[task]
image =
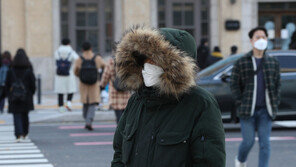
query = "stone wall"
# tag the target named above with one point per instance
(28, 24)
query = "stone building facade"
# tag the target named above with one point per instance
(39, 25)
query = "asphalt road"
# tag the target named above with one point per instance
(69, 145)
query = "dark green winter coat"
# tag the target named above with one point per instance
(175, 123)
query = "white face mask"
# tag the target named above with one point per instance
(151, 74)
(260, 44)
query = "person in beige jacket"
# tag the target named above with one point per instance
(89, 93)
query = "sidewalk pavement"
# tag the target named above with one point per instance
(47, 111)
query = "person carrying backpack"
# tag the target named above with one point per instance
(86, 68)
(5, 65)
(65, 82)
(118, 97)
(20, 88)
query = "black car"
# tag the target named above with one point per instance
(215, 79)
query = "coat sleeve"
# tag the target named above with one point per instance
(278, 82)
(77, 67)
(117, 142)
(106, 75)
(235, 83)
(8, 83)
(32, 85)
(207, 143)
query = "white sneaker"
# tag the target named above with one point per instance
(69, 105)
(62, 109)
(239, 164)
(18, 140)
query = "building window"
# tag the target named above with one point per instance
(88, 20)
(188, 15)
(64, 19)
(204, 18)
(161, 13)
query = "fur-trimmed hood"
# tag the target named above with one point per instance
(173, 50)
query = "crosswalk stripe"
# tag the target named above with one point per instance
(6, 133)
(13, 141)
(6, 129)
(16, 144)
(7, 138)
(30, 165)
(23, 161)
(19, 151)
(19, 148)
(21, 156)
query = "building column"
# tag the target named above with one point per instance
(214, 23)
(153, 14)
(118, 20)
(13, 30)
(249, 20)
(228, 38)
(136, 13)
(56, 24)
(39, 39)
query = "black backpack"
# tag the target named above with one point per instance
(18, 91)
(88, 72)
(64, 65)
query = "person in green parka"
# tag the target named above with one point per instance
(169, 121)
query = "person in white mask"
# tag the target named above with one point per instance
(255, 85)
(151, 73)
(169, 121)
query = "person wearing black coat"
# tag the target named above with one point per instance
(21, 70)
(202, 53)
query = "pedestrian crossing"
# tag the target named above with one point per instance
(23, 154)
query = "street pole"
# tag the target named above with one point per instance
(39, 88)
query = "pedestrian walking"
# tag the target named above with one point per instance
(118, 97)
(65, 82)
(203, 52)
(86, 68)
(4, 67)
(255, 85)
(215, 56)
(168, 121)
(20, 88)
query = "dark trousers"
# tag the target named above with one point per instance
(21, 124)
(61, 98)
(2, 104)
(118, 114)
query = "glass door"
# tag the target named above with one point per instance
(280, 21)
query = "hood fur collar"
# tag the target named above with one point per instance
(140, 43)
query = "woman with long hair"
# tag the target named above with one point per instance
(20, 86)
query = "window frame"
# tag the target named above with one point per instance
(101, 27)
(198, 21)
